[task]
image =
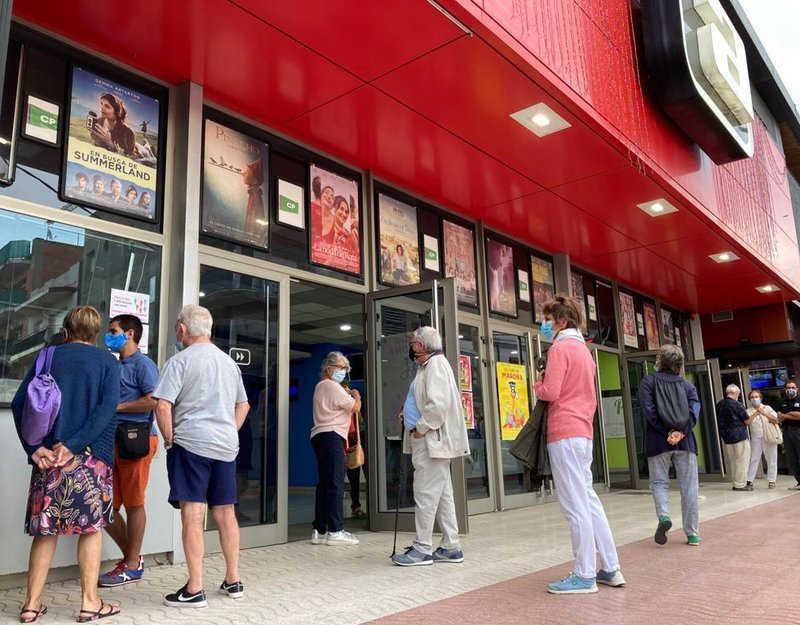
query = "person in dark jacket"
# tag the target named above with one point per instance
(732, 420)
(71, 489)
(664, 445)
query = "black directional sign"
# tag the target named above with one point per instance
(240, 356)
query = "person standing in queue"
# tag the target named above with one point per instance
(138, 378)
(434, 434)
(789, 416)
(567, 383)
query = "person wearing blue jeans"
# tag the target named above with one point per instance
(664, 445)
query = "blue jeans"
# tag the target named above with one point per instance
(686, 471)
(329, 450)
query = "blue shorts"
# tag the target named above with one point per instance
(198, 479)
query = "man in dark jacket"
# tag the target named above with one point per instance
(731, 419)
(664, 444)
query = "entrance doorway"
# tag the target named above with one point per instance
(612, 453)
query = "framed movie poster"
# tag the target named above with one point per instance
(500, 274)
(334, 222)
(667, 328)
(630, 336)
(512, 390)
(112, 161)
(578, 292)
(399, 255)
(543, 285)
(234, 186)
(459, 261)
(651, 326)
(468, 410)
(465, 373)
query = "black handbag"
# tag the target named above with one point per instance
(133, 439)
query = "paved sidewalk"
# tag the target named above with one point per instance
(299, 583)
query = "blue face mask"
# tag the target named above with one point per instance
(114, 342)
(756, 401)
(178, 346)
(547, 330)
(339, 375)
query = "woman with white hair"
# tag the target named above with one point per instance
(333, 406)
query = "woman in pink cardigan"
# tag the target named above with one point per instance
(568, 384)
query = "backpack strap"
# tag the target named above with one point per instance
(48, 360)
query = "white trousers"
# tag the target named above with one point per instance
(770, 451)
(433, 496)
(738, 459)
(571, 461)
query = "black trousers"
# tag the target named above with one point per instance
(791, 443)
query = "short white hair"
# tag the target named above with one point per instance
(198, 320)
(429, 337)
(732, 389)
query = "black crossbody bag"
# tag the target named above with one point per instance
(133, 439)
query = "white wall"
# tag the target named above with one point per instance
(14, 479)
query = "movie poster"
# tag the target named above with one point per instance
(399, 256)
(628, 320)
(459, 261)
(543, 285)
(577, 291)
(500, 275)
(651, 326)
(465, 373)
(235, 194)
(667, 328)
(334, 222)
(512, 390)
(468, 410)
(112, 155)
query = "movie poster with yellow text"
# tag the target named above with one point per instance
(512, 389)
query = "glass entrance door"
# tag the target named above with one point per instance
(612, 451)
(246, 316)
(393, 315)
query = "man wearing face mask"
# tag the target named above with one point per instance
(434, 434)
(789, 415)
(138, 379)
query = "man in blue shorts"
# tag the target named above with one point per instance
(138, 378)
(201, 405)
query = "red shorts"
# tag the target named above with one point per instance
(130, 478)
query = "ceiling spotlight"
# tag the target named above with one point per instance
(540, 119)
(723, 257)
(767, 288)
(657, 208)
(345, 327)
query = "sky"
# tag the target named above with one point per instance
(776, 23)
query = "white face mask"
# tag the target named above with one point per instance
(756, 401)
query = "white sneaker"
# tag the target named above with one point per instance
(341, 538)
(317, 538)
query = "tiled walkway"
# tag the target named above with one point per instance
(744, 572)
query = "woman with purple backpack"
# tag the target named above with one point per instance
(71, 481)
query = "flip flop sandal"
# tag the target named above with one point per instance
(37, 614)
(88, 616)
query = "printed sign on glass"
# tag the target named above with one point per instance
(500, 274)
(512, 388)
(235, 186)
(399, 254)
(543, 285)
(334, 221)
(651, 326)
(628, 320)
(291, 205)
(112, 157)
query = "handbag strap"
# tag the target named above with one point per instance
(45, 360)
(358, 429)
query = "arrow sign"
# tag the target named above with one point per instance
(240, 356)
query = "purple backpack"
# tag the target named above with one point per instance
(42, 402)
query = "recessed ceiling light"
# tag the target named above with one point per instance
(345, 327)
(767, 288)
(656, 208)
(723, 257)
(202, 294)
(540, 119)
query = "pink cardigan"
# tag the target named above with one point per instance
(568, 385)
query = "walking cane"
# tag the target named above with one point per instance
(400, 484)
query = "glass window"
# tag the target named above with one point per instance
(47, 268)
(476, 469)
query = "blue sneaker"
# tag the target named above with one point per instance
(448, 555)
(610, 578)
(572, 585)
(122, 574)
(412, 557)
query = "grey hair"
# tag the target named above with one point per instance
(331, 360)
(429, 337)
(670, 359)
(732, 389)
(198, 320)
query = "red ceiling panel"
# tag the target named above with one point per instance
(692, 255)
(411, 151)
(483, 89)
(367, 38)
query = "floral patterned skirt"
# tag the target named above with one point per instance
(73, 499)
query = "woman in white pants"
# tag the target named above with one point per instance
(760, 414)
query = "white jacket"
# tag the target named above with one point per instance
(442, 419)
